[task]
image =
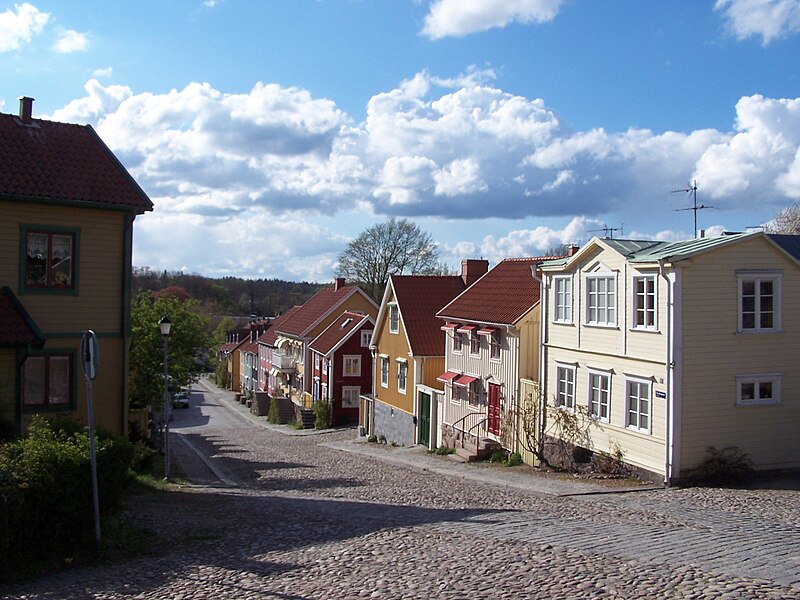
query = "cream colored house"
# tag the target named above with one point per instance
(670, 348)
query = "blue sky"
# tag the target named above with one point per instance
(270, 133)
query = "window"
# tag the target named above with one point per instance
(394, 318)
(384, 370)
(565, 393)
(759, 301)
(474, 344)
(350, 395)
(644, 302)
(494, 345)
(758, 389)
(47, 381)
(402, 371)
(639, 406)
(599, 392)
(458, 342)
(563, 299)
(601, 301)
(366, 338)
(459, 395)
(49, 258)
(352, 365)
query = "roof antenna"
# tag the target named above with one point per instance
(694, 207)
(608, 232)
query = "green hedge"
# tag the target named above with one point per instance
(46, 493)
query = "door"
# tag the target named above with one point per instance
(494, 409)
(424, 419)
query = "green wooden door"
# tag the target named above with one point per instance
(424, 419)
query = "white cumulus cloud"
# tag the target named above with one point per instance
(70, 41)
(463, 17)
(769, 19)
(19, 25)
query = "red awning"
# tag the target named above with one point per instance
(486, 331)
(465, 380)
(449, 326)
(466, 329)
(447, 376)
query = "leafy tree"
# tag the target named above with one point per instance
(785, 221)
(188, 345)
(397, 247)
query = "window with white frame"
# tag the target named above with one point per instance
(474, 344)
(352, 365)
(599, 395)
(394, 318)
(759, 301)
(366, 337)
(639, 405)
(562, 291)
(494, 345)
(384, 370)
(350, 396)
(565, 390)
(758, 389)
(601, 300)
(402, 373)
(458, 341)
(644, 302)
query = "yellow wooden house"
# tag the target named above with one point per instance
(67, 208)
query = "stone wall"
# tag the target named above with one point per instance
(395, 425)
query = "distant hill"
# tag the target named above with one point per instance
(229, 295)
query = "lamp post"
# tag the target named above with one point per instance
(165, 325)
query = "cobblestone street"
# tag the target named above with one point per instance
(277, 513)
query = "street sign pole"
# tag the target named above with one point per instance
(89, 359)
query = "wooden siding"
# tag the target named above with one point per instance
(8, 390)
(395, 345)
(714, 354)
(433, 367)
(101, 267)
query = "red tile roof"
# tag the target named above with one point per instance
(419, 297)
(270, 336)
(504, 295)
(319, 305)
(62, 162)
(341, 329)
(17, 328)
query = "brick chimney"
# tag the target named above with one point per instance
(472, 269)
(26, 109)
(572, 250)
(338, 283)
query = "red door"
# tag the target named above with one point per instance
(494, 409)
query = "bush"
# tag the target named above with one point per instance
(514, 459)
(46, 492)
(273, 416)
(444, 451)
(322, 414)
(729, 466)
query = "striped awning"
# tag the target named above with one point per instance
(465, 380)
(447, 376)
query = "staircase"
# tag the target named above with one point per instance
(481, 450)
(469, 438)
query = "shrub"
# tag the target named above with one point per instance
(46, 492)
(514, 459)
(373, 439)
(322, 414)
(497, 456)
(273, 416)
(728, 466)
(444, 451)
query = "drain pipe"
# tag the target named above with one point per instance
(668, 433)
(543, 331)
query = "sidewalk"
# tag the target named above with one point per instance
(418, 458)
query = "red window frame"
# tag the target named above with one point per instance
(48, 390)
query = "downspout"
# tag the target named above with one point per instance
(668, 435)
(543, 319)
(371, 418)
(125, 326)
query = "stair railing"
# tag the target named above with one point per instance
(463, 420)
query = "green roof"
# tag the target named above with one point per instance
(684, 249)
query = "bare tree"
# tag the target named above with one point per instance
(785, 221)
(397, 247)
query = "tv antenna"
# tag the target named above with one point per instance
(608, 232)
(694, 207)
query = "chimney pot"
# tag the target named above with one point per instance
(26, 109)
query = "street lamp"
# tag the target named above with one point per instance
(165, 325)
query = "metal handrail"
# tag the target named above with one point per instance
(464, 418)
(478, 424)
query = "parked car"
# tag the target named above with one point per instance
(180, 400)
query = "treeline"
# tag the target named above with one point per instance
(229, 295)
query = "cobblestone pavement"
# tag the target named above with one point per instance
(282, 515)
